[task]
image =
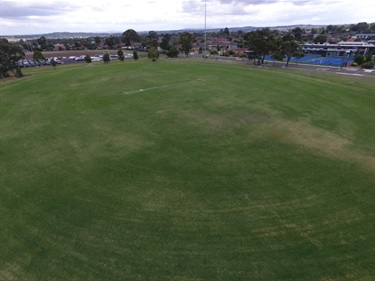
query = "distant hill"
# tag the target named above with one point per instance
(102, 34)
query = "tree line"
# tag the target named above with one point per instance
(11, 53)
(259, 43)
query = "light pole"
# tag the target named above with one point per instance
(205, 30)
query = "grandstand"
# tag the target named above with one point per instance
(339, 55)
(341, 49)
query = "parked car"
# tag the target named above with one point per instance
(94, 59)
(80, 58)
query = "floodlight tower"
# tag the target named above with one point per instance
(205, 30)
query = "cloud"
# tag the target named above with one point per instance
(248, 2)
(44, 16)
(270, 2)
(22, 10)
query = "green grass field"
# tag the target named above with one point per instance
(181, 170)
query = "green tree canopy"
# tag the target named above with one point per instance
(130, 36)
(321, 38)
(261, 42)
(297, 33)
(287, 47)
(153, 35)
(172, 52)
(42, 41)
(120, 55)
(186, 41)
(88, 59)
(291, 49)
(135, 55)
(360, 27)
(10, 54)
(165, 42)
(106, 58)
(38, 56)
(153, 53)
(147, 42)
(226, 31)
(112, 41)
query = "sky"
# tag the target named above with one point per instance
(26, 17)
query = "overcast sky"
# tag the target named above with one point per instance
(21, 17)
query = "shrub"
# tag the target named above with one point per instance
(354, 63)
(120, 55)
(135, 55)
(368, 65)
(153, 53)
(106, 58)
(88, 59)
(359, 59)
(173, 52)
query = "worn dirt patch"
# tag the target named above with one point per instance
(318, 139)
(212, 122)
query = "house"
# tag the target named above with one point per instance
(59, 47)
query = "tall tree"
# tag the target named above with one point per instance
(277, 54)
(10, 54)
(152, 39)
(287, 48)
(261, 42)
(226, 31)
(331, 28)
(360, 27)
(297, 32)
(314, 30)
(42, 41)
(148, 43)
(153, 35)
(321, 38)
(130, 36)
(165, 42)
(186, 41)
(112, 41)
(291, 49)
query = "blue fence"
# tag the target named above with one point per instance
(318, 60)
